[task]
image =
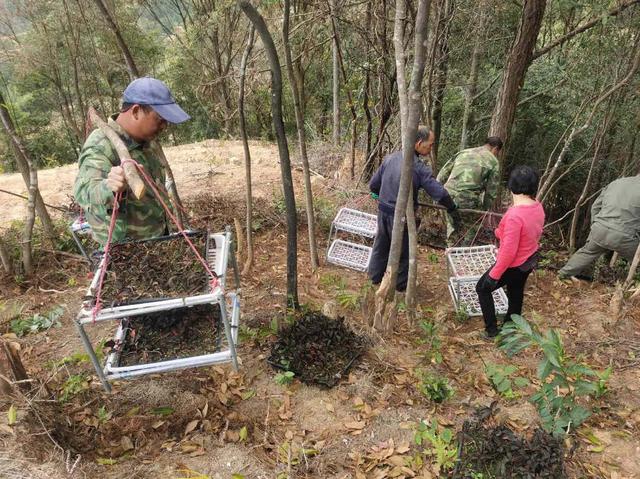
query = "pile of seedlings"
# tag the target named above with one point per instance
(175, 334)
(488, 449)
(158, 268)
(317, 349)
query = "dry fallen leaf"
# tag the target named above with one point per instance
(330, 407)
(126, 443)
(191, 426)
(355, 424)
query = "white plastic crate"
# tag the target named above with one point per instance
(470, 262)
(463, 293)
(350, 255)
(356, 222)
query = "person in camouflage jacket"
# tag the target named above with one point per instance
(471, 177)
(147, 108)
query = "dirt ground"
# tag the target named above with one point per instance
(217, 423)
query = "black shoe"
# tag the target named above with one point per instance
(492, 333)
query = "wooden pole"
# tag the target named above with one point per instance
(131, 174)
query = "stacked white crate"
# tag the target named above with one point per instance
(218, 253)
(465, 266)
(348, 253)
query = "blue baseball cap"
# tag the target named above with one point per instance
(152, 92)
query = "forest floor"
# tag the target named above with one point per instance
(216, 423)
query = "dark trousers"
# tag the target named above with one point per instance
(514, 279)
(380, 253)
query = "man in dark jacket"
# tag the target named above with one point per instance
(385, 184)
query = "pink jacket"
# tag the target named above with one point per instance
(519, 233)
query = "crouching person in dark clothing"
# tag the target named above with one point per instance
(519, 233)
(385, 184)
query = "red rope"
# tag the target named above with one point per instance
(213, 282)
(107, 248)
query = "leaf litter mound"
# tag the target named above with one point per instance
(495, 450)
(319, 350)
(163, 267)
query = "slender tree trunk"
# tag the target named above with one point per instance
(412, 282)
(5, 257)
(132, 69)
(27, 234)
(472, 81)
(302, 141)
(442, 68)
(587, 185)
(283, 148)
(247, 153)
(518, 62)
(410, 109)
(23, 162)
(352, 106)
(336, 78)
(367, 84)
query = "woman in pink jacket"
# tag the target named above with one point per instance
(519, 233)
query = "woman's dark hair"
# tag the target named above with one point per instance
(523, 181)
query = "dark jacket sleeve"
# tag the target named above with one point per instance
(434, 188)
(376, 181)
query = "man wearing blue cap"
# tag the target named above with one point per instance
(147, 108)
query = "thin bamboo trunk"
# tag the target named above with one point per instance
(335, 87)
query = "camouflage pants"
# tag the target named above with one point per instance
(466, 232)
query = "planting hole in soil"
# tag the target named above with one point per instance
(175, 334)
(152, 269)
(488, 449)
(319, 350)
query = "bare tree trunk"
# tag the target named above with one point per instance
(27, 234)
(410, 108)
(412, 281)
(23, 161)
(124, 49)
(283, 148)
(617, 301)
(336, 78)
(587, 184)
(5, 257)
(516, 67)
(302, 141)
(442, 68)
(472, 81)
(247, 153)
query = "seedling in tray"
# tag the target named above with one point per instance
(158, 268)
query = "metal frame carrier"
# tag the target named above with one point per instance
(219, 251)
(357, 225)
(465, 266)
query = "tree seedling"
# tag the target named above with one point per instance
(442, 447)
(564, 381)
(503, 380)
(434, 388)
(37, 322)
(284, 378)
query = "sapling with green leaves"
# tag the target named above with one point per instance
(435, 388)
(564, 380)
(503, 379)
(441, 442)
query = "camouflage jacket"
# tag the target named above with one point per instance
(137, 219)
(471, 177)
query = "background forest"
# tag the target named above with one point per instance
(576, 115)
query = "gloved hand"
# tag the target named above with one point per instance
(373, 195)
(487, 283)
